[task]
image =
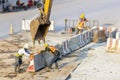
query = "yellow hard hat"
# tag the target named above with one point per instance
(82, 15)
(46, 45)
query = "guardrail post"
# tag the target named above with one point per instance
(65, 24)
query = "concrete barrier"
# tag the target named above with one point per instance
(83, 39)
(26, 25)
(40, 61)
(80, 40)
(118, 50)
(111, 32)
(118, 35)
(59, 47)
(109, 44)
(73, 43)
(36, 63)
(86, 36)
(47, 58)
(115, 45)
(65, 48)
(90, 32)
(90, 35)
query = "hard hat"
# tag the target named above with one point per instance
(82, 15)
(26, 46)
(46, 45)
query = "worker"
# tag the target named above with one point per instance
(19, 55)
(80, 23)
(56, 54)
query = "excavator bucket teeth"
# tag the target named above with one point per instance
(38, 31)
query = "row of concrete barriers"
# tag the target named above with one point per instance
(76, 42)
(113, 44)
(66, 47)
(26, 25)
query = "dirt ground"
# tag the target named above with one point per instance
(9, 46)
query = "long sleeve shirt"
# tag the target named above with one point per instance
(24, 51)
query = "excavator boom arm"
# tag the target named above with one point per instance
(40, 25)
(47, 7)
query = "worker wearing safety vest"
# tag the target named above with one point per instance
(56, 54)
(19, 55)
(80, 24)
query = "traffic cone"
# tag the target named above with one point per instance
(11, 29)
(31, 67)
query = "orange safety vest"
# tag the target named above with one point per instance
(81, 24)
(52, 48)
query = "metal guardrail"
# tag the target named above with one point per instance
(71, 23)
(92, 23)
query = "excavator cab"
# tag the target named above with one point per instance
(40, 25)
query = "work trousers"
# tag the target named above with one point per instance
(55, 59)
(79, 31)
(18, 62)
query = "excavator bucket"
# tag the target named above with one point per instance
(39, 26)
(38, 32)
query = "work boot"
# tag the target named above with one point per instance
(56, 66)
(16, 69)
(19, 70)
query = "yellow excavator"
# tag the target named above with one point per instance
(40, 25)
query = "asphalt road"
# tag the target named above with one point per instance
(106, 11)
(14, 18)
